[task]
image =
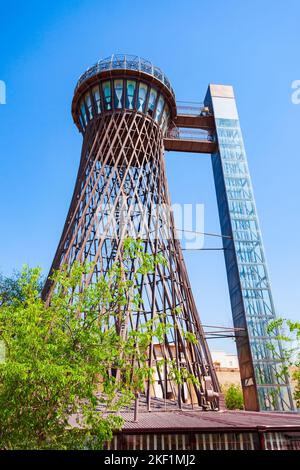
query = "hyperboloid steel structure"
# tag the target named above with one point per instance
(125, 109)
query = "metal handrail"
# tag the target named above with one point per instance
(190, 134)
(125, 62)
(192, 109)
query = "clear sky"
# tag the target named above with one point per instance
(253, 45)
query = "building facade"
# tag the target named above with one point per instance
(227, 369)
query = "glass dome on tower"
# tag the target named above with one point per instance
(123, 82)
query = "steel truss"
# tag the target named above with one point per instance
(122, 169)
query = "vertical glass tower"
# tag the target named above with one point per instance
(252, 305)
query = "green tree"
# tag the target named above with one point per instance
(234, 397)
(288, 333)
(68, 367)
(10, 287)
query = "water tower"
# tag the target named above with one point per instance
(125, 109)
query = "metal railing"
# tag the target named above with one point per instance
(190, 134)
(126, 62)
(191, 108)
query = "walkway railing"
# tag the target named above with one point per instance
(125, 62)
(190, 134)
(192, 109)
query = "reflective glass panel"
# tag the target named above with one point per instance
(96, 95)
(159, 108)
(88, 103)
(142, 96)
(81, 121)
(107, 94)
(131, 84)
(118, 96)
(152, 101)
(83, 111)
(165, 119)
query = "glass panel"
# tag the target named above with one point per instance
(246, 269)
(131, 84)
(152, 101)
(81, 122)
(159, 108)
(83, 111)
(88, 103)
(119, 61)
(107, 94)
(118, 96)
(96, 95)
(142, 96)
(165, 119)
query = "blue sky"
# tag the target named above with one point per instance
(253, 45)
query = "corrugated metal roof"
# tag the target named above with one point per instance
(211, 420)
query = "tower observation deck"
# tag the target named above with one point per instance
(126, 111)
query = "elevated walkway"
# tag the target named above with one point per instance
(194, 116)
(193, 130)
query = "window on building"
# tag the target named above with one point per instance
(165, 119)
(88, 103)
(107, 94)
(83, 111)
(81, 122)
(159, 108)
(142, 96)
(152, 101)
(96, 95)
(118, 96)
(131, 85)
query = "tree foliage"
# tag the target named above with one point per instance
(10, 287)
(69, 367)
(288, 332)
(234, 397)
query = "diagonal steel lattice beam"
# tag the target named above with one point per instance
(122, 167)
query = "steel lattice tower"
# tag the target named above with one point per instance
(124, 106)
